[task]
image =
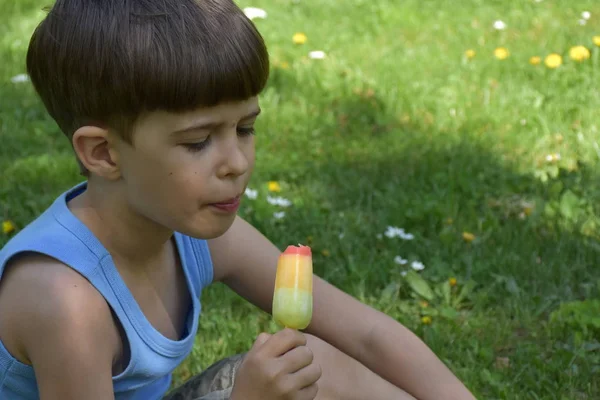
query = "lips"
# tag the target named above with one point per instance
(230, 205)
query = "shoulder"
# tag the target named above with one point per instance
(42, 300)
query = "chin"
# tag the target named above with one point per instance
(211, 230)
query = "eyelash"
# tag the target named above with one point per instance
(199, 146)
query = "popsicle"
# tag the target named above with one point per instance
(292, 299)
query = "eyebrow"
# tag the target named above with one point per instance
(212, 125)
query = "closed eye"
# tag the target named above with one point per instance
(198, 146)
(246, 131)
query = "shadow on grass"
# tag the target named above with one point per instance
(436, 185)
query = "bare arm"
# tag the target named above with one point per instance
(376, 340)
(399, 356)
(61, 326)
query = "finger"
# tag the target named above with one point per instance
(283, 341)
(296, 359)
(306, 377)
(308, 393)
(259, 342)
(261, 339)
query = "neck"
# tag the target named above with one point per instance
(129, 237)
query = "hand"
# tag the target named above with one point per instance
(277, 367)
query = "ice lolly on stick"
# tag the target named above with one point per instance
(292, 299)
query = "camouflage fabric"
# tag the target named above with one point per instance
(215, 383)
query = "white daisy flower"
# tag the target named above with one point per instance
(317, 55)
(391, 232)
(417, 266)
(399, 260)
(251, 193)
(499, 25)
(253, 13)
(394, 232)
(278, 201)
(582, 22)
(586, 15)
(279, 215)
(20, 78)
(403, 273)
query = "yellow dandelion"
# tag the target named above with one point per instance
(453, 282)
(596, 40)
(579, 53)
(274, 186)
(8, 227)
(325, 253)
(528, 210)
(553, 61)
(299, 38)
(470, 53)
(284, 65)
(535, 60)
(424, 303)
(426, 320)
(501, 53)
(468, 237)
(449, 221)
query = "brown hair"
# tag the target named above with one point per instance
(104, 62)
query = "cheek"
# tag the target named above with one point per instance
(148, 177)
(250, 152)
(166, 195)
(183, 183)
(138, 162)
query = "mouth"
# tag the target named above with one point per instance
(230, 205)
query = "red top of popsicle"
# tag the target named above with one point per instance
(300, 250)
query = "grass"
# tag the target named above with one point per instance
(397, 128)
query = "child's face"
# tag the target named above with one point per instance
(187, 172)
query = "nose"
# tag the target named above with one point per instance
(236, 156)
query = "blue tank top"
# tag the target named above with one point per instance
(153, 357)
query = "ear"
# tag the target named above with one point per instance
(96, 150)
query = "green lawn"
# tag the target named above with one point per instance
(396, 127)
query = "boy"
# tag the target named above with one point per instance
(99, 296)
